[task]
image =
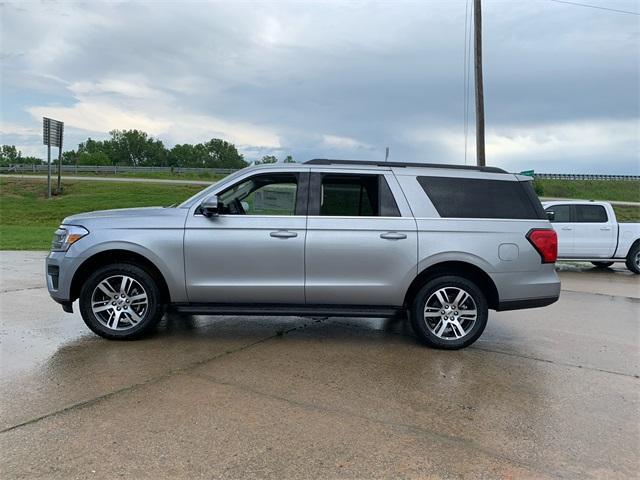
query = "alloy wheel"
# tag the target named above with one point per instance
(450, 313)
(119, 302)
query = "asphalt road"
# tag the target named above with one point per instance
(546, 393)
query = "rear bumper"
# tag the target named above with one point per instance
(526, 303)
(517, 290)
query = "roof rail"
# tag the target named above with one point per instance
(328, 161)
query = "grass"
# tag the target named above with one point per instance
(28, 218)
(627, 213)
(620, 190)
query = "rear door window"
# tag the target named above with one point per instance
(351, 195)
(590, 214)
(455, 197)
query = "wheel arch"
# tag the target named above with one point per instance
(463, 269)
(111, 256)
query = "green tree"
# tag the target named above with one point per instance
(136, 148)
(70, 157)
(10, 155)
(267, 159)
(31, 161)
(91, 147)
(289, 159)
(187, 155)
(222, 154)
(94, 158)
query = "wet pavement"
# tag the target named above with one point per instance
(545, 393)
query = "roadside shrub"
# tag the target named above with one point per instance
(539, 189)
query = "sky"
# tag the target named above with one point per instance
(331, 79)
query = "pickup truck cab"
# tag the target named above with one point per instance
(589, 231)
(442, 244)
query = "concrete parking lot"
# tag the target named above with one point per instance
(545, 393)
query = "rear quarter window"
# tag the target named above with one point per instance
(455, 197)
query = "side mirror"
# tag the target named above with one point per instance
(211, 206)
(551, 216)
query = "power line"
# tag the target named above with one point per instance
(597, 7)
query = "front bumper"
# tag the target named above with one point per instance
(59, 271)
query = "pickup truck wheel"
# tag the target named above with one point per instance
(120, 301)
(449, 312)
(633, 258)
(602, 264)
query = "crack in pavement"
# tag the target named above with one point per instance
(153, 380)
(22, 289)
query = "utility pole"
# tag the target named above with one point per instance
(477, 44)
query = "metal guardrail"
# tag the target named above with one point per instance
(116, 169)
(577, 176)
(109, 169)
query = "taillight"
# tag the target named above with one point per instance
(545, 241)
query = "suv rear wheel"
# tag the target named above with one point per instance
(449, 312)
(120, 301)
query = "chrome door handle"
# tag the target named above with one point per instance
(283, 234)
(566, 228)
(605, 228)
(393, 236)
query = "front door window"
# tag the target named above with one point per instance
(268, 194)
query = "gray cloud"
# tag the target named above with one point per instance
(342, 79)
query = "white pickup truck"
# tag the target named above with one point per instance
(589, 231)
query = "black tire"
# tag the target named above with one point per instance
(602, 264)
(633, 258)
(153, 310)
(419, 322)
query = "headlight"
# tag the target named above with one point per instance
(65, 236)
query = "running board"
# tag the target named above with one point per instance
(614, 260)
(286, 310)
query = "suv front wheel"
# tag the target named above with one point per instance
(449, 312)
(120, 301)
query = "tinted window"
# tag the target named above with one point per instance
(590, 214)
(561, 213)
(262, 195)
(479, 198)
(356, 196)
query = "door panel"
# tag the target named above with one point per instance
(359, 249)
(594, 236)
(254, 251)
(348, 261)
(243, 259)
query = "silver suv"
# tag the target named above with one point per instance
(441, 243)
